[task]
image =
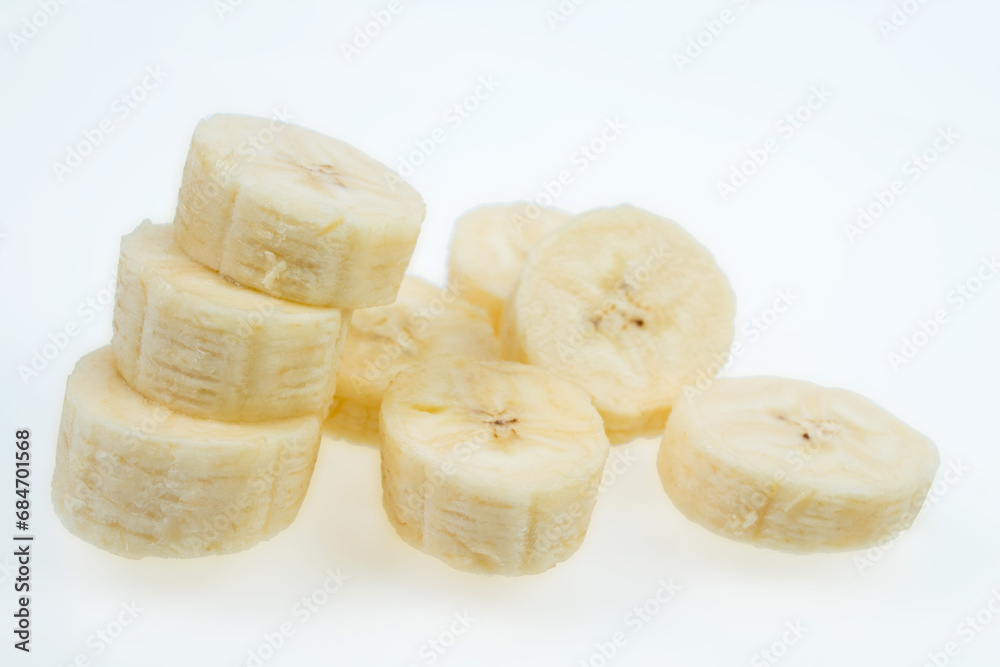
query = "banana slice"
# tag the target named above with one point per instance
(628, 306)
(197, 343)
(424, 322)
(488, 247)
(789, 465)
(490, 466)
(295, 214)
(139, 480)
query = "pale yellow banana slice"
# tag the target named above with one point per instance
(488, 247)
(628, 306)
(793, 466)
(424, 322)
(295, 214)
(490, 466)
(139, 480)
(190, 339)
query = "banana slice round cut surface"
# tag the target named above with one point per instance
(628, 306)
(186, 337)
(490, 466)
(424, 322)
(488, 247)
(793, 466)
(139, 480)
(295, 214)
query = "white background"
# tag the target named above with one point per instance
(687, 128)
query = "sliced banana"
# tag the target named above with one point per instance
(139, 480)
(424, 322)
(295, 214)
(188, 338)
(490, 466)
(789, 465)
(488, 247)
(219, 148)
(628, 306)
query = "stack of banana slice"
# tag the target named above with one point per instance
(196, 431)
(278, 303)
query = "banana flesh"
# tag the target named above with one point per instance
(626, 305)
(424, 322)
(490, 466)
(139, 480)
(488, 247)
(187, 338)
(295, 214)
(789, 465)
